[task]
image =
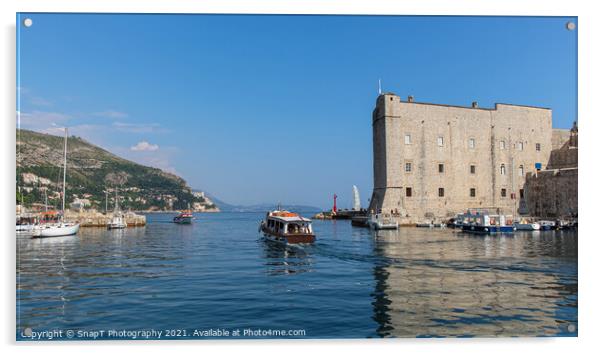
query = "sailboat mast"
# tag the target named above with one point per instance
(64, 171)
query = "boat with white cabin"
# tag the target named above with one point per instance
(287, 227)
(482, 222)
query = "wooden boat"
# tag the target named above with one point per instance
(287, 227)
(184, 217)
(481, 222)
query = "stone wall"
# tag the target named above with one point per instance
(502, 144)
(553, 193)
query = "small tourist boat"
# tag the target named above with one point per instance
(287, 227)
(184, 217)
(482, 222)
(382, 222)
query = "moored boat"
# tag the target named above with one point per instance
(525, 225)
(118, 220)
(287, 227)
(184, 217)
(547, 225)
(382, 222)
(481, 222)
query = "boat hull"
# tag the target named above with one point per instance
(180, 220)
(527, 227)
(481, 229)
(288, 239)
(57, 231)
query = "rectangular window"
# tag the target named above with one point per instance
(441, 168)
(473, 192)
(502, 145)
(503, 192)
(441, 192)
(473, 169)
(537, 147)
(520, 146)
(521, 193)
(471, 143)
(408, 139)
(408, 167)
(503, 169)
(408, 192)
(521, 170)
(440, 141)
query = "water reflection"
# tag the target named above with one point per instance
(286, 260)
(437, 283)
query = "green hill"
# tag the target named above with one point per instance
(92, 171)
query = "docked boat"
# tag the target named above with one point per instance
(547, 225)
(58, 227)
(184, 217)
(118, 219)
(525, 225)
(117, 222)
(382, 222)
(482, 222)
(25, 223)
(287, 227)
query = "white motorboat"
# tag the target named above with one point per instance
(526, 226)
(382, 222)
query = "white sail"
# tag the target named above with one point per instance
(356, 199)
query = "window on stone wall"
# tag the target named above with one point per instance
(441, 168)
(408, 192)
(503, 192)
(408, 139)
(537, 147)
(471, 143)
(473, 169)
(440, 141)
(502, 145)
(521, 193)
(473, 192)
(408, 167)
(441, 192)
(520, 146)
(503, 169)
(521, 170)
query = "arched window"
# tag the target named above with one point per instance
(503, 169)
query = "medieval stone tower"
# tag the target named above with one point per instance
(432, 161)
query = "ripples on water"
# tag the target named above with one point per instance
(352, 283)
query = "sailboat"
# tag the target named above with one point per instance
(59, 227)
(117, 221)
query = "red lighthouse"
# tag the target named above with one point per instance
(334, 207)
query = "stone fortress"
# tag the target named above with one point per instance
(432, 161)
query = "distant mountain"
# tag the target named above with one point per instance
(92, 171)
(263, 207)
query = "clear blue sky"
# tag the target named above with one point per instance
(275, 108)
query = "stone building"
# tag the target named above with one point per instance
(553, 192)
(432, 161)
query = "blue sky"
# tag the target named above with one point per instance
(275, 108)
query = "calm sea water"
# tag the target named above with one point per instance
(218, 274)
